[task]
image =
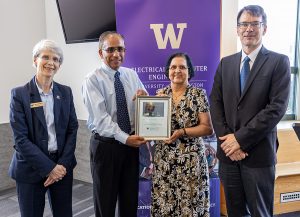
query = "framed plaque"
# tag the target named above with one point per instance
(153, 117)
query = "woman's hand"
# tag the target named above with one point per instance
(56, 175)
(161, 93)
(176, 135)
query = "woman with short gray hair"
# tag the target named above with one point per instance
(44, 124)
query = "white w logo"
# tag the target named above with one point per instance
(170, 34)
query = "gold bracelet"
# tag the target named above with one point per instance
(184, 132)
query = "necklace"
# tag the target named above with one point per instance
(176, 97)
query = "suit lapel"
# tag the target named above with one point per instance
(57, 97)
(259, 61)
(236, 74)
(36, 98)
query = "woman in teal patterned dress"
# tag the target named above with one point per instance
(181, 179)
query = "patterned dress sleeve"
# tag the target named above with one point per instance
(202, 101)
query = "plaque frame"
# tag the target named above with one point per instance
(153, 117)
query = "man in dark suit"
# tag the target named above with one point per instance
(249, 97)
(44, 124)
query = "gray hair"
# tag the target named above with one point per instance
(45, 45)
(104, 35)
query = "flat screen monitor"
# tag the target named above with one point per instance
(296, 127)
(85, 20)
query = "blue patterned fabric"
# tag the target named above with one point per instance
(122, 110)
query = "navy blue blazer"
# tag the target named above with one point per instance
(253, 115)
(30, 162)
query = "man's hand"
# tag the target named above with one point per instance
(229, 145)
(58, 172)
(238, 155)
(139, 92)
(135, 141)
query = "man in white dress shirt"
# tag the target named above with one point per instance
(114, 153)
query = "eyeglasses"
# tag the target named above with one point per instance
(113, 49)
(47, 58)
(181, 67)
(253, 25)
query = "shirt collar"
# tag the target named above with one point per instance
(252, 55)
(41, 90)
(111, 72)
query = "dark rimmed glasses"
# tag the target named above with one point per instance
(113, 49)
(253, 25)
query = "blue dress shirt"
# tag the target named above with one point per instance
(47, 99)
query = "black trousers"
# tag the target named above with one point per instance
(248, 191)
(114, 168)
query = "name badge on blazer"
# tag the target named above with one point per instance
(36, 104)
